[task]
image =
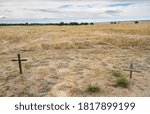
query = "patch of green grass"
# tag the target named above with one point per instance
(27, 66)
(92, 89)
(121, 80)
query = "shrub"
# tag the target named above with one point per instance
(61, 23)
(91, 23)
(26, 23)
(92, 89)
(113, 22)
(136, 22)
(73, 23)
(122, 82)
(27, 66)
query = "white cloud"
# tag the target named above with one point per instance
(2, 17)
(74, 9)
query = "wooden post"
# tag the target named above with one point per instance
(131, 70)
(131, 67)
(19, 62)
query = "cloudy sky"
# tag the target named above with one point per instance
(73, 10)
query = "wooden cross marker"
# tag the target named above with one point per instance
(132, 70)
(19, 62)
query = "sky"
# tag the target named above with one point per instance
(44, 11)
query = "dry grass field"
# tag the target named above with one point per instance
(76, 60)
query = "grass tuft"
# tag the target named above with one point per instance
(121, 80)
(27, 66)
(92, 89)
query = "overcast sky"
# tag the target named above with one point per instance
(73, 10)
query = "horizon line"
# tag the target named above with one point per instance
(126, 20)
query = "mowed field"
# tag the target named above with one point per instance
(76, 60)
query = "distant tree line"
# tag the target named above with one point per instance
(136, 22)
(58, 24)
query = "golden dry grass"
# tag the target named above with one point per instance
(64, 60)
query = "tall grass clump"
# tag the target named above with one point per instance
(121, 80)
(92, 89)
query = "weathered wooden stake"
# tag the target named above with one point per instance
(131, 67)
(132, 70)
(19, 62)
